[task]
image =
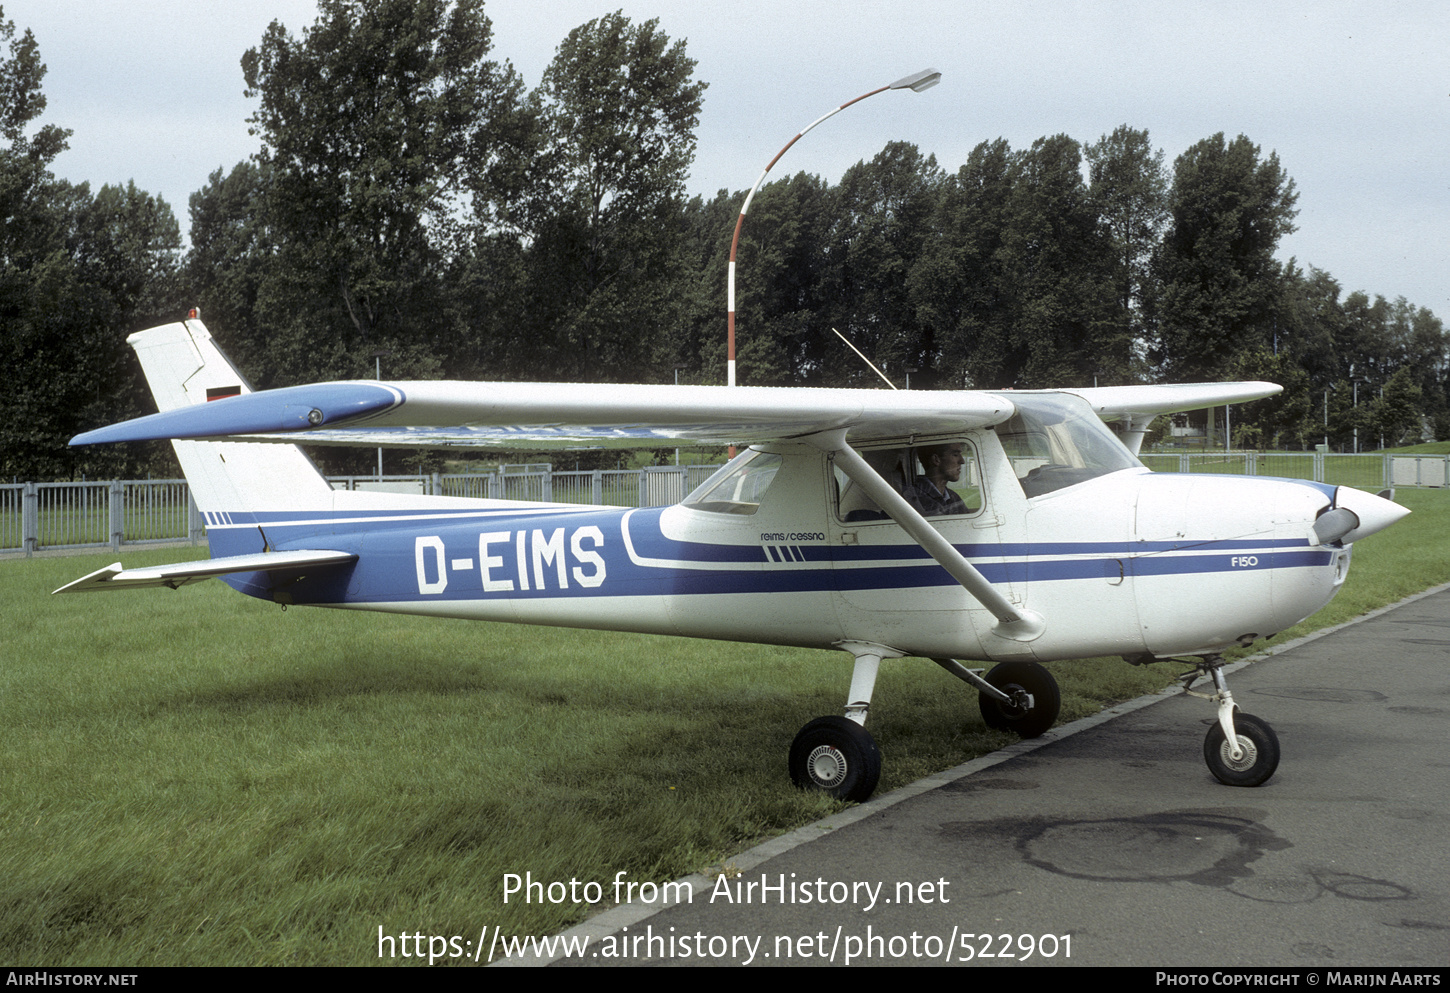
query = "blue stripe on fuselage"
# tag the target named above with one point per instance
(437, 555)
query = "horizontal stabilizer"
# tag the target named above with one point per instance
(114, 577)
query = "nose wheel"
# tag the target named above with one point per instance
(1258, 752)
(1240, 749)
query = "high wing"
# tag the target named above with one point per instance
(1136, 406)
(540, 415)
(1119, 402)
(525, 414)
(114, 576)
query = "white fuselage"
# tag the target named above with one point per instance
(1128, 563)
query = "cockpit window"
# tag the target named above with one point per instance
(738, 487)
(940, 480)
(1055, 440)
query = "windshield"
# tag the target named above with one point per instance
(1055, 440)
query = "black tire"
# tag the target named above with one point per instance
(1261, 752)
(837, 756)
(1031, 678)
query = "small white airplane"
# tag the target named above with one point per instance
(1010, 527)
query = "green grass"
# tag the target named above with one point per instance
(1426, 448)
(200, 778)
(1363, 471)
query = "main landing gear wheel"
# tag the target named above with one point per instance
(1260, 752)
(838, 756)
(1018, 680)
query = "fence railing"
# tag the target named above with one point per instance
(35, 516)
(655, 486)
(85, 515)
(1371, 471)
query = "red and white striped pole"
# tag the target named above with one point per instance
(916, 82)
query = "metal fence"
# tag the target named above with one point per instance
(1370, 472)
(656, 486)
(86, 515)
(35, 516)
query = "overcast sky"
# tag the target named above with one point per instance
(1352, 96)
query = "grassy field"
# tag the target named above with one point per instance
(1425, 448)
(200, 778)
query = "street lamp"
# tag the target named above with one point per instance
(1357, 380)
(916, 82)
(678, 367)
(378, 357)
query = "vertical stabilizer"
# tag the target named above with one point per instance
(183, 367)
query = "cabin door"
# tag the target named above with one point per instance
(888, 587)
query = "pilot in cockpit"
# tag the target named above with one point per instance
(926, 489)
(930, 493)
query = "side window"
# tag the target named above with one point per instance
(737, 488)
(939, 480)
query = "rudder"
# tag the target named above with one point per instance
(184, 367)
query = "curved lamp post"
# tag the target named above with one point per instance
(916, 82)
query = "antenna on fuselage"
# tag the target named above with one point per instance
(864, 358)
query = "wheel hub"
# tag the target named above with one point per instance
(1020, 705)
(827, 767)
(1245, 761)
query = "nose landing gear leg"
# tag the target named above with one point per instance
(1240, 749)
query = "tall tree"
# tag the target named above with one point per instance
(232, 250)
(22, 101)
(1129, 189)
(1429, 364)
(1216, 266)
(26, 184)
(77, 273)
(375, 124)
(1057, 276)
(1308, 323)
(881, 224)
(1365, 343)
(1394, 416)
(618, 107)
(1283, 421)
(782, 324)
(957, 285)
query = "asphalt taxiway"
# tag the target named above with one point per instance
(1108, 842)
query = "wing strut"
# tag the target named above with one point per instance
(1013, 622)
(1134, 428)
